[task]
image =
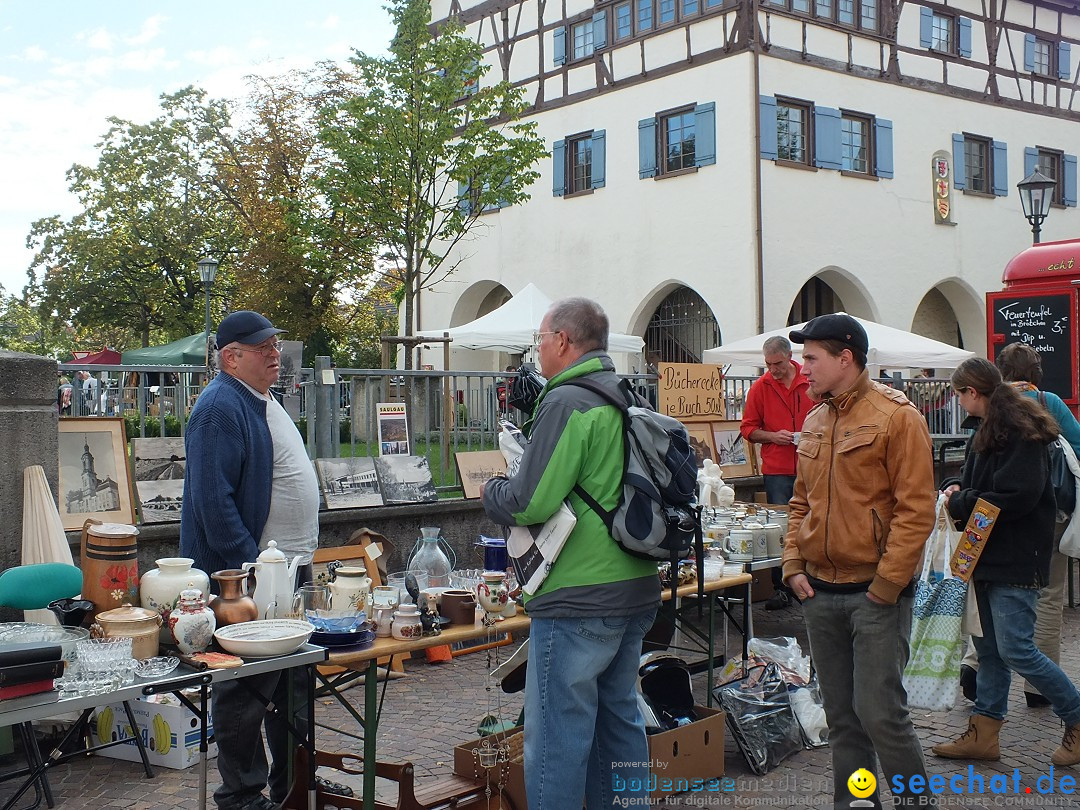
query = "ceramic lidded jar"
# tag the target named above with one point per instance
(191, 622)
(138, 624)
(160, 588)
(492, 595)
(407, 623)
(351, 588)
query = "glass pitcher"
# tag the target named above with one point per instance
(433, 555)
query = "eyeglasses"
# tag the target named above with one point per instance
(265, 350)
(538, 337)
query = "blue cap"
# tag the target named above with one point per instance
(245, 326)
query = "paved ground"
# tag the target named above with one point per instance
(437, 706)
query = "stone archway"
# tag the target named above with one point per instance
(680, 326)
(831, 289)
(953, 313)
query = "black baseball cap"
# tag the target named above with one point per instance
(245, 326)
(840, 327)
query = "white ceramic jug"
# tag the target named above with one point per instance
(274, 577)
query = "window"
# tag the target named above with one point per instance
(944, 33)
(689, 7)
(855, 144)
(980, 164)
(1041, 57)
(1049, 163)
(851, 13)
(667, 12)
(644, 15)
(1059, 167)
(677, 140)
(583, 39)
(1046, 58)
(977, 163)
(578, 163)
(624, 21)
(792, 131)
(713, 3)
(803, 132)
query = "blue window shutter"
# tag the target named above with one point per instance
(826, 138)
(965, 37)
(1064, 69)
(1031, 160)
(705, 134)
(767, 112)
(646, 132)
(599, 30)
(883, 150)
(599, 150)
(926, 27)
(558, 168)
(1069, 166)
(560, 46)
(1029, 52)
(959, 170)
(1001, 169)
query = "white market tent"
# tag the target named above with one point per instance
(510, 328)
(889, 348)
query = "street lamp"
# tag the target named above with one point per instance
(1036, 193)
(207, 271)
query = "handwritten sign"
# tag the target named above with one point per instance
(691, 391)
(1044, 322)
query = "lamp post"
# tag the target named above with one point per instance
(207, 271)
(1036, 193)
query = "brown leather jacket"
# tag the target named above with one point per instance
(864, 496)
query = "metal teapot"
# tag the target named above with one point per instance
(274, 577)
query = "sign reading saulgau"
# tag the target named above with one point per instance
(691, 391)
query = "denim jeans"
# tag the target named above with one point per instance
(860, 649)
(584, 734)
(778, 490)
(1007, 613)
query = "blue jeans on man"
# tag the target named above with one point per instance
(860, 649)
(778, 490)
(1007, 613)
(584, 734)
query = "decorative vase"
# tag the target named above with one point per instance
(407, 623)
(233, 605)
(428, 556)
(492, 595)
(350, 588)
(191, 622)
(160, 587)
(109, 560)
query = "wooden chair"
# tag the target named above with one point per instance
(448, 793)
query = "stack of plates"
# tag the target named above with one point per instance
(360, 638)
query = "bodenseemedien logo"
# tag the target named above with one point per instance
(861, 784)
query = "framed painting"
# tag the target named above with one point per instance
(94, 472)
(475, 468)
(701, 439)
(733, 453)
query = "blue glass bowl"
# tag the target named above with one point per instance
(336, 621)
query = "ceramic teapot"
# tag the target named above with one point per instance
(274, 577)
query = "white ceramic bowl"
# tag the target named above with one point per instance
(265, 637)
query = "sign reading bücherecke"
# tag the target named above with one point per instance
(689, 391)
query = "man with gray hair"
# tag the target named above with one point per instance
(775, 409)
(584, 735)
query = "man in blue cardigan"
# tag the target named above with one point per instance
(248, 480)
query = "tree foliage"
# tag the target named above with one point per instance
(423, 148)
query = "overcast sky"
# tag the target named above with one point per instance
(65, 66)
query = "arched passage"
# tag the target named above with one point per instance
(831, 289)
(678, 325)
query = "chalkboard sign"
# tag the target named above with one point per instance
(1045, 323)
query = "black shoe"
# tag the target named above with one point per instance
(967, 681)
(778, 601)
(1036, 701)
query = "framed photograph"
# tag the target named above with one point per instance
(477, 467)
(393, 429)
(348, 482)
(159, 478)
(733, 453)
(94, 480)
(405, 479)
(701, 439)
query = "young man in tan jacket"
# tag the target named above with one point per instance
(862, 510)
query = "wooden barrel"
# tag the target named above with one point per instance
(110, 564)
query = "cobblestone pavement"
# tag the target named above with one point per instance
(439, 705)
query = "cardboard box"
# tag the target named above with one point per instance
(169, 731)
(679, 758)
(512, 774)
(687, 754)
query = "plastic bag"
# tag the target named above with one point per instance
(760, 717)
(809, 711)
(526, 388)
(786, 653)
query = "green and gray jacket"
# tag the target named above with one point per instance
(574, 437)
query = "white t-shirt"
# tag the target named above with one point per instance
(293, 522)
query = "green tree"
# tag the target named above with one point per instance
(423, 148)
(128, 258)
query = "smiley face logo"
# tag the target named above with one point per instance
(861, 783)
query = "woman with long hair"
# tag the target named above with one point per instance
(1008, 466)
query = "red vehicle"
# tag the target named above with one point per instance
(1038, 306)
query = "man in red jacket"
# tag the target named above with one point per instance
(773, 416)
